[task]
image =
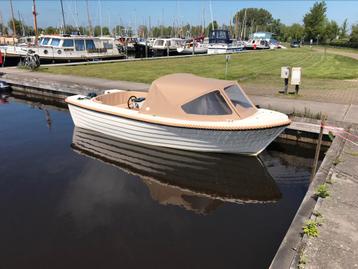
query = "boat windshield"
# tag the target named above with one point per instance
(237, 97)
(211, 103)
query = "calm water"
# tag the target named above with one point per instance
(76, 199)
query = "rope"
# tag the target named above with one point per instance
(339, 131)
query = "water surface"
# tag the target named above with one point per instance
(70, 198)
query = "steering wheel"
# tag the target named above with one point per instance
(131, 102)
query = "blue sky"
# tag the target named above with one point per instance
(133, 13)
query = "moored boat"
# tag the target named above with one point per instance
(182, 111)
(220, 42)
(66, 48)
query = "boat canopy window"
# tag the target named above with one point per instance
(45, 41)
(107, 45)
(211, 103)
(90, 44)
(55, 42)
(67, 43)
(159, 42)
(79, 44)
(237, 97)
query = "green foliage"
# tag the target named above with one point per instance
(317, 214)
(330, 135)
(331, 31)
(315, 20)
(302, 260)
(354, 36)
(97, 30)
(344, 29)
(212, 26)
(256, 19)
(322, 191)
(3, 29)
(295, 32)
(310, 228)
(21, 28)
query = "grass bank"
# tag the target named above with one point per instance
(242, 66)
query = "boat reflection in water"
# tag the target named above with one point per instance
(195, 181)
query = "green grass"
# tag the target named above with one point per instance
(244, 66)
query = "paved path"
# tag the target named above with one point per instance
(353, 55)
(337, 244)
(346, 111)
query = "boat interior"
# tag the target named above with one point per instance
(123, 99)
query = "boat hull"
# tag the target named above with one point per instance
(247, 142)
(224, 50)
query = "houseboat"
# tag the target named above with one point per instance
(66, 48)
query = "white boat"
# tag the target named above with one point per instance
(67, 48)
(193, 48)
(253, 44)
(167, 46)
(220, 42)
(182, 111)
(173, 174)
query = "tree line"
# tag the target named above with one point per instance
(316, 27)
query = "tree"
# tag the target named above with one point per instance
(97, 30)
(315, 20)
(331, 31)
(353, 38)
(256, 19)
(18, 26)
(212, 26)
(3, 29)
(343, 29)
(50, 30)
(295, 32)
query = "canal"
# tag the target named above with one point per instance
(71, 198)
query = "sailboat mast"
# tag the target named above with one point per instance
(212, 17)
(89, 19)
(100, 16)
(63, 17)
(35, 20)
(13, 22)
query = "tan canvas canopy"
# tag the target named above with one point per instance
(169, 93)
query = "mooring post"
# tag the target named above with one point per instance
(227, 58)
(297, 87)
(146, 48)
(318, 148)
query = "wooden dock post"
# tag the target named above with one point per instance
(318, 148)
